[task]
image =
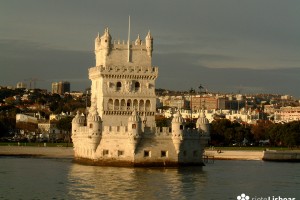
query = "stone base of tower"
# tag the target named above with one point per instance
(153, 149)
(108, 162)
(118, 163)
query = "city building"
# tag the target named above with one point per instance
(47, 131)
(287, 114)
(21, 85)
(121, 129)
(172, 101)
(28, 117)
(55, 88)
(208, 102)
(61, 87)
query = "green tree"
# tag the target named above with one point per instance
(229, 135)
(285, 134)
(274, 133)
(225, 132)
(7, 124)
(291, 135)
(260, 130)
(218, 128)
(162, 121)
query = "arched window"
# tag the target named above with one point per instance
(129, 104)
(110, 105)
(135, 104)
(142, 105)
(137, 86)
(119, 86)
(123, 104)
(148, 105)
(117, 104)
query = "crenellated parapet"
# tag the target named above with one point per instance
(81, 131)
(109, 130)
(128, 52)
(134, 45)
(104, 43)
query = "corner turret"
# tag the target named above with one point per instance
(77, 122)
(105, 41)
(94, 125)
(177, 130)
(202, 124)
(102, 47)
(149, 44)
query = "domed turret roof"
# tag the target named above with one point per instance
(138, 40)
(149, 36)
(93, 113)
(177, 118)
(134, 117)
(106, 34)
(202, 119)
(94, 116)
(78, 119)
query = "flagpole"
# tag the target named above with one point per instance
(128, 41)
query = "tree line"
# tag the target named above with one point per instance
(264, 132)
(223, 132)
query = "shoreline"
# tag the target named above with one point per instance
(234, 154)
(43, 152)
(68, 153)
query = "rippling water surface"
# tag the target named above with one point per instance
(32, 178)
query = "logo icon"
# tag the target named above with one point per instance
(243, 197)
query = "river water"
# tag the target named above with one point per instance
(40, 178)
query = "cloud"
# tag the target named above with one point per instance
(22, 60)
(177, 74)
(225, 45)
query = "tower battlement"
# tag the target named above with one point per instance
(128, 53)
(146, 132)
(118, 44)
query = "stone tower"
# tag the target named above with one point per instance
(123, 79)
(120, 126)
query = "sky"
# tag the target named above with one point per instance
(230, 46)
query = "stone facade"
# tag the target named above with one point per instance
(120, 127)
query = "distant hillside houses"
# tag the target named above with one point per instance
(287, 114)
(33, 125)
(240, 108)
(28, 118)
